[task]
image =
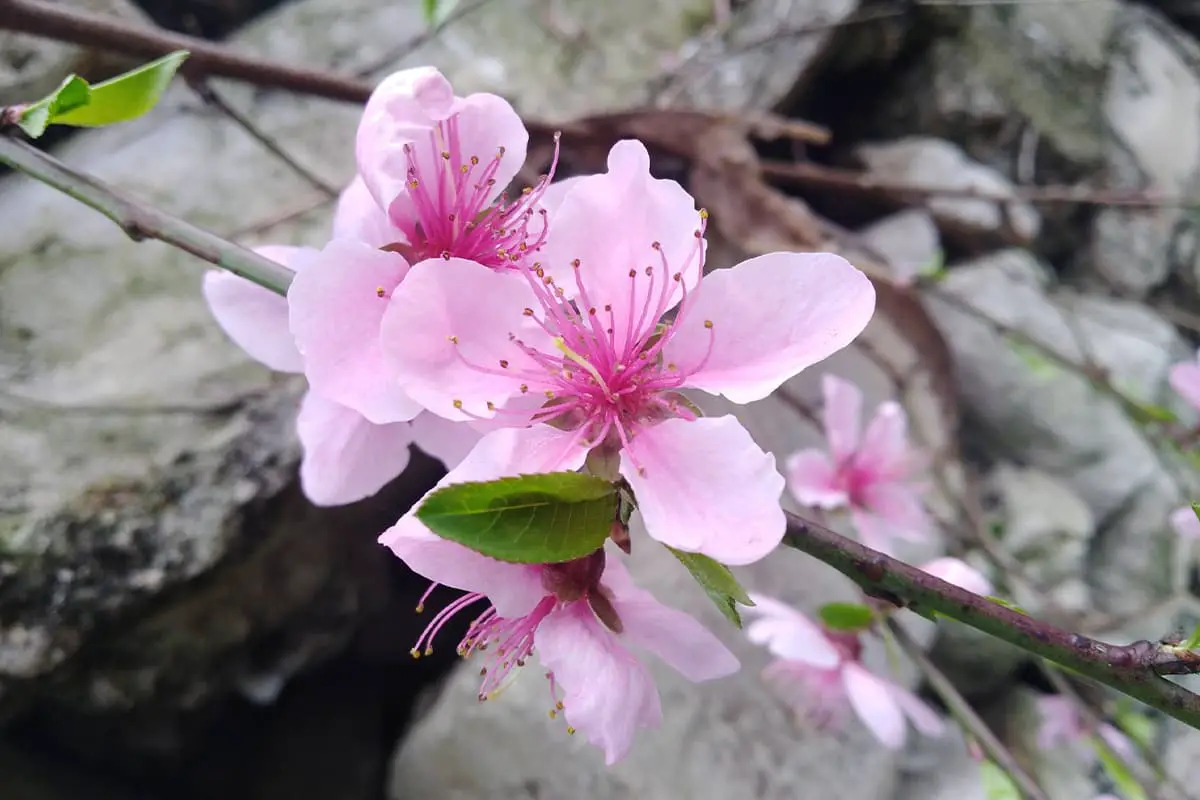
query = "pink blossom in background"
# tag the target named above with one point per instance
(819, 673)
(1063, 724)
(873, 474)
(959, 573)
(579, 618)
(345, 457)
(1185, 523)
(607, 372)
(1185, 379)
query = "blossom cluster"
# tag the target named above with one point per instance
(559, 329)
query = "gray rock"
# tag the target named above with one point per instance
(1039, 413)
(922, 161)
(909, 239)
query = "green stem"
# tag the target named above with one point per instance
(1135, 669)
(140, 221)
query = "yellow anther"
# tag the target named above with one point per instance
(491, 406)
(559, 705)
(453, 339)
(379, 292)
(528, 312)
(458, 404)
(503, 363)
(553, 714)
(708, 323)
(575, 263)
(415, 653)
(524, 388)
(446, 155)
(570, 731)
(549, 395)
(420, 608)
(704, 213)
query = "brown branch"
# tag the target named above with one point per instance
(1135, 669)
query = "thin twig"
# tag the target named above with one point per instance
(961, 709)
(1135, 669)
(422, 38)
(140, 221)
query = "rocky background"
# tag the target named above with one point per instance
(177, 622)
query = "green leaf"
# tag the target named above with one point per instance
(1011, 606)
(1146, 413)
(1194, 640)
(72, 93)
(436, 11)
(997, 785)
(718, 583)
(1136, 725)
(1116, 770)
(846, 616)
(127, 96)
(531, 519)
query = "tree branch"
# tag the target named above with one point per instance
(141, 221)
(1135, 669)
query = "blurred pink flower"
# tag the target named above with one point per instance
(819, 673)
(1063, 724)
(1185, 523)
(872, 475)
(959, 573)
(1185, 379)
(579, 618)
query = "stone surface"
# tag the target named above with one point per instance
(1030, 409)
(910, 241)
(923, 161)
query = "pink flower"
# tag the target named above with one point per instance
(605, 372)
(580, 618)
(1185, 523)
(960, 574)
(345, 457)
(1063, 724)
(819, 673)
(872, 475)
(1185, 379)
(431, 170)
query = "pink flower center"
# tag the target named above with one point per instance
(608, 377)
(454, 212)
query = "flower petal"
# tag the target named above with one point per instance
(957, 572)
(1185, 523)
(704, 486)
(772, 317)
(884, 446)
(919, 713)
(335, 310)
(873, 700)
(610, 222)
(346, 458)
(448, 442)
(255, 318)
(359, 217)
(789, 634)
(813, 481)
(607, 693)
(1185, 379)
(873, 531)
(843, 415)
(446, 331)
(675, 637)
(900, 507)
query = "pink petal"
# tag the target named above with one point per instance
(335, 312)
(873, 700)
(359, 217)
(900, 507)
(607, 693)
(675, 637)
(959, 573)
(772, 316)
(448, 442)
(1184, 523)
(610, 223)
(256, 319)
(884, 446)
(346, 458)
(873, 531)
(522, 451)
(843, 415)
(813, 481)
(922, 716)
(1185, 379)
(788, 634)
(442, 301)
(704, 486)
(1060, 721)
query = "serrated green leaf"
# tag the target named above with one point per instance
(529, 519)
(846, 616)
(997, 785)
(125, 97)
(717, 582)
(1115, 768)
(72, 93)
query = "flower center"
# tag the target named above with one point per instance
(455, 215)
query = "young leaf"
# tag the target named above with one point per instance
(125, 97)
(718, 583)
(72, 93)
(846, 616)
(531, 519)
(1193, 641)
(1118, 772)
(997, 785)
(1011, 606)
(1134, 724)
(1148, 413)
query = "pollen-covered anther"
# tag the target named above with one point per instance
(549, 395)
(415, 653)
(452, 339)
(708, 323)
(570, 731)
(379, 292)
(633, 273)
(592, 310)
(446, 154)
(527, 312)
(656, 245)
(649, 270)
(678, 276)
(553, 714)
(458, 404)
(504, 363)
(704, 213)
(445, 255)
(420, 609)
(474, 161)
(575, 263)
(491, 406)
(524, 388)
